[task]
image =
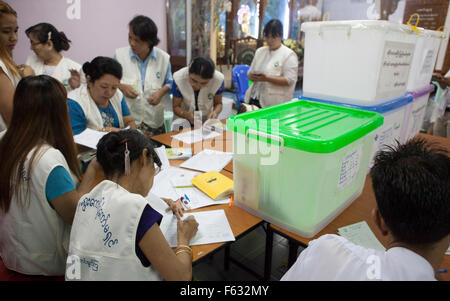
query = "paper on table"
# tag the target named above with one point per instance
(360, 234)
(198, 198)
(163, 186)
(213, 227)
(89, 138)
(195, 136)
(208, 160)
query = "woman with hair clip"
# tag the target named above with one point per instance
(47, 43)
(115, 234)
(198, 87)
(39, 175)
(10, 73)
(147, 76)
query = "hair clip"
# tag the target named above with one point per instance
(49, 36)
(127, 160)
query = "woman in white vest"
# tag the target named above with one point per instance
(99, 104)
(115, 234)
(10, 73)
(274, 70)
(147, 76)
(198, 87)
(47, 43)
(40, 173)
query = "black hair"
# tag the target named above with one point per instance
(102, 65)
(274, 27)
(412, 189)
(45, 31)
(111, 151)
(145, 29)
(202, 66)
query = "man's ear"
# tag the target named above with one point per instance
(379, 221)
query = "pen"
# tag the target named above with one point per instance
(212, 180)
(442, 271)
(185, 186)
(186, 202)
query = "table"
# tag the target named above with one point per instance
(358, 211)
(241, 222)
(220, 143)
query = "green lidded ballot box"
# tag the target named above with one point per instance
(299, 164)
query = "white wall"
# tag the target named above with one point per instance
(102, 25)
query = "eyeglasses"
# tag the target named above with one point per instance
(157, 170)
(35, 43)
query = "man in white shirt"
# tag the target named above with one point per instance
(412, 190)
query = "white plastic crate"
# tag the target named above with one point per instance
(360, 62)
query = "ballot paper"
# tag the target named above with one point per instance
(165, 186)
(213, 227)
(208, 160)
(194, 136)
(360, 234)
(89, 138)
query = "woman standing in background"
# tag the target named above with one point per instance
(47, 43)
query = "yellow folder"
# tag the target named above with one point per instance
(214, 184)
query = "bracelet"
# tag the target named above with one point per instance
(183, 251)
(184, 247)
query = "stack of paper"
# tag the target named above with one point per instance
(165, 186)
(360, 234)
(213, 227)
(89, 138)
(195, 136)
(208, 160)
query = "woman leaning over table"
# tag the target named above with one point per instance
(39, 173)
(99, 104)
(10, 73)
(125, 241)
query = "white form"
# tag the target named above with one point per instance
(208, 160)
(360, 234)
(89, 138)
(194, 136)
(213, 227)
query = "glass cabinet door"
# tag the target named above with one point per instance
(176, 33)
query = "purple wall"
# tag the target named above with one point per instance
(101, 28)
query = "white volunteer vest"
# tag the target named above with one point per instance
(14, 80)
(92, 113)
(34, 239)
(271, 63)
(205, 96)
(61, 72)
(103, 235)
(140, 109)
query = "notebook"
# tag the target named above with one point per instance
(214, 185)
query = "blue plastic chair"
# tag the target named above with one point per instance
(240, 82)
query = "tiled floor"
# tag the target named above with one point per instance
(250, 251)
